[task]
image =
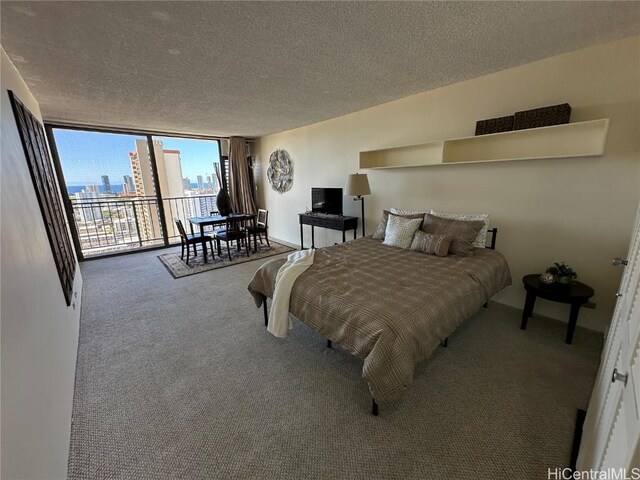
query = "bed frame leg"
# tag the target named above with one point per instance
(445, 342)
(328, 343)
(374, 407)
(486, 305)
(264, 309)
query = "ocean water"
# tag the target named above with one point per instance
(115, 188)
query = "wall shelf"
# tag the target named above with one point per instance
(580, 139)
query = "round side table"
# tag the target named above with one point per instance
(575, 294)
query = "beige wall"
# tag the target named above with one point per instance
(574, 210)
(39, 331)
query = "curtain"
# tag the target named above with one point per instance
(240, 183)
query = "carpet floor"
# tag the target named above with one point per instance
(178, 378)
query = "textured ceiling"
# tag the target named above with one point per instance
(252, 68)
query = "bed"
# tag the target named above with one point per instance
(390, 306)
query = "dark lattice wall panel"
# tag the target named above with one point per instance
(35, 150)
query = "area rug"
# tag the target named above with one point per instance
(177, 268)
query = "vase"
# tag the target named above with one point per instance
(223, 202)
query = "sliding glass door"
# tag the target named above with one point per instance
(124, 191)
(186, 173)
(110, 189)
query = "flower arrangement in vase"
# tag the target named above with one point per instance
(562, 273)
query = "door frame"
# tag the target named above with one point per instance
(608, 396)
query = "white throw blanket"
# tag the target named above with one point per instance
(296, 264)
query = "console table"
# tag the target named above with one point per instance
(332, 222)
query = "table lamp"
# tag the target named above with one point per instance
(358, 185)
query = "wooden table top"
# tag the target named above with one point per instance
(570, 293)
(213, 219)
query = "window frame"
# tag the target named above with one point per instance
(49, 126)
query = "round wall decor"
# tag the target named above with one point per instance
(280, 171)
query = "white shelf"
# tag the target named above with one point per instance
(409, 156)
(580, 139)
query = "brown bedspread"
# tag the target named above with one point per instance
(389, 306)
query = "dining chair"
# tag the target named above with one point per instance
(233, 232)
(261, 226)
(187, 240)
(216, 228)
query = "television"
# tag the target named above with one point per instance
(326, 200)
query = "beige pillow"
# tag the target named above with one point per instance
(481, 238)
(400, 230)
(382, 225)
(431, 244)
(463, 233)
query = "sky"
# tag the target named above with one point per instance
(86, 156)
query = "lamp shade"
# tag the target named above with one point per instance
(357, 185)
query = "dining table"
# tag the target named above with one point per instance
(214, 220)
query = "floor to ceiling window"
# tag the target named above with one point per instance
(186, 172)
(122, 196)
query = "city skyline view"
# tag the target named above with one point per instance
(113, 188)
(87, 156)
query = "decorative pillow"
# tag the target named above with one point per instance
(431, 244)
(463, 232)
(382, 225)
(481, 240)
(400, 230)
(398, 211)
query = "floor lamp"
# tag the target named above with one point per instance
(358, 185)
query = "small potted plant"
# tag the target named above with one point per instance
(562, 273)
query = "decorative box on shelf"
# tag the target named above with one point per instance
(494, 125)
(542, 117)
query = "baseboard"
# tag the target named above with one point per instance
(284, 242)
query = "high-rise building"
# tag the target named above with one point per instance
(199, 206)
(127, 180)
(186, 183)
(169, 178)
(200, 185)
(106, 184)
(85, 208)
(148, 220)
(209, 184)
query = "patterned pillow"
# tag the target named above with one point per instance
(382, 225)
(481, 239)
(400, 231)
(463, 232)
(431, 244)
(398, 211)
